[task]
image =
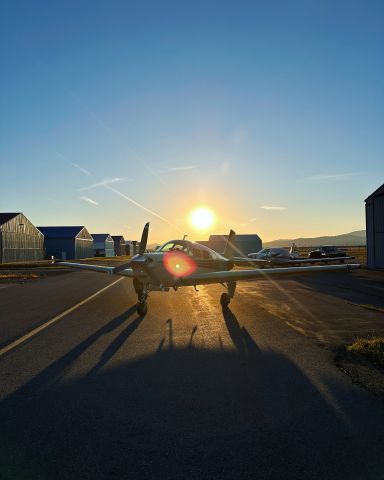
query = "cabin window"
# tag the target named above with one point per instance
(174, 247)
(194, 252)
(205, 254)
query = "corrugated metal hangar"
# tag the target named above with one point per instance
(131, 247)
(103, 245)
(246, 243)
(374, 217)
(20, 240)
(67, 242)
(119, 245)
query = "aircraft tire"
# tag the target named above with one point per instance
(142, 308)
(225, 300)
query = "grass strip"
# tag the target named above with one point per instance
(370, 348)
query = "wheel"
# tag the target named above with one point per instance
(224, 300)
(142, 308)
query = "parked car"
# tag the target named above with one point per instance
(327, 251)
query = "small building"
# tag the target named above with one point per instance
(374, 217)
(103, 245)
(119, 245)
(67, 242)
(243, 243)
(131, 247)
(20, 240)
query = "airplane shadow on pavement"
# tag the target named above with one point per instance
(182, 413)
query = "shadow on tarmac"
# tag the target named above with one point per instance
(180, 413)
(357, 287)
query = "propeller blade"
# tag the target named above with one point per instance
(144, 239)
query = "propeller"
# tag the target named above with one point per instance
(144, 239)
(138, 258)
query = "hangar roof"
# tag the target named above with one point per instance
(101, 237)
(5, 217)
(376, 193)
(239, 236)
(60, 232)
(118, 238)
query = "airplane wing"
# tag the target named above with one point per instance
(239, 261)
(248, 261)
(127, 272)
(318, 260)
(235, 275)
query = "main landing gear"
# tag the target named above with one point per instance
(142, 295)
(225, 300)
(142, 306)
(226, 297)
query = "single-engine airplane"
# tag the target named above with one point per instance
(180, 263)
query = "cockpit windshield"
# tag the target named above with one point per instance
(191, 249)
(174, 246)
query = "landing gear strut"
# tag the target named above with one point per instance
(225, 298)
(142, 295)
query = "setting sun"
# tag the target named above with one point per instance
(202, 218)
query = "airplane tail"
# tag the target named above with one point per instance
(230, 249)
(293, 250)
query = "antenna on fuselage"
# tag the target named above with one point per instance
(185, 236)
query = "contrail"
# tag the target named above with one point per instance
(103, 183)
(117, 192)
(86, 172)
(115, 136)
(79, 167)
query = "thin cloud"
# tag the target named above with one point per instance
(333, 177)
(181, 168)
(270, 207)
(89, 200)
(104, 183)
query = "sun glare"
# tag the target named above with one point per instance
(202, 218)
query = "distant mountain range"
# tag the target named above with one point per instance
(344, 240)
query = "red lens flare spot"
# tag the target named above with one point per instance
(179, 264)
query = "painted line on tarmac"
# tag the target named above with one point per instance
(45, 325)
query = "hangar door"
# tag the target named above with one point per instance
(378, 222)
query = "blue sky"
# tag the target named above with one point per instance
(115, 113)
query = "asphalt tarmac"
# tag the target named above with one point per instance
(189, 390)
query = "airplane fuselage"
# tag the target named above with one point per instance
(155, 273)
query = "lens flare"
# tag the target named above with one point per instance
(202, 218)
(179, 264)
